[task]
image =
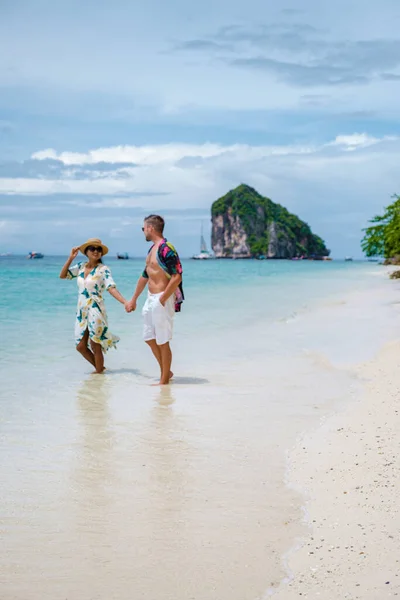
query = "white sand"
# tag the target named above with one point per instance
(349, 471)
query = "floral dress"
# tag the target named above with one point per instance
(91, 313)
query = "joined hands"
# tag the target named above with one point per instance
(130, 306)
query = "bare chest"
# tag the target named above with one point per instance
(153, 267)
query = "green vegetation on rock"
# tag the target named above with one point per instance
(257, 214)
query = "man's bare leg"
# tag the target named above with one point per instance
(166, 360)
(83, 349)
(156, 350)
(98, 357)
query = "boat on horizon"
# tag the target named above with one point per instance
(35, 255)
(319, 257)
(123, 256)
(348, 258)
(204, 253)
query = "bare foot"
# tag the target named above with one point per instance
(99, 372)
(170, 376)
(164, 382)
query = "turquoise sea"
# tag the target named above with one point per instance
(112, 488)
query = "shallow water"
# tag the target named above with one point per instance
(116, 489)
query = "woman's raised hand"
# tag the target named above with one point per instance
(74, 252)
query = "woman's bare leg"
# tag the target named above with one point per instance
(83, 349)
(98, 356)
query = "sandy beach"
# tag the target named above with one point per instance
(349, 472)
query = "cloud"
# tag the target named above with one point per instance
(291, 11)
(172, 167)
(119, 68)
(54, 223)
(335, 186)
(103, 185)
(174, 154)
(359, 140)
(302, 74)
(6, 127)
(179, 171)
(202, 46)
(131, 155)
(238, 39)
(300, 54)
(390, 77)
(50, 168)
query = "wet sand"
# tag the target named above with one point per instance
(152, 497)
(349, 470)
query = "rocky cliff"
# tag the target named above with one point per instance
(247, 225)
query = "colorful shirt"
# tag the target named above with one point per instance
(169, 261)
(91, 313)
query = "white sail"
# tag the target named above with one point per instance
(204, 253)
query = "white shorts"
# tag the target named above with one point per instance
(158, 319)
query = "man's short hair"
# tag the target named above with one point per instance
(156, 221)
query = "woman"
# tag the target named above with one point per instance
(91, 318)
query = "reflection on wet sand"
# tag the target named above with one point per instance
(161, 495)
(128, 491)
(164, 500)
(93, 479)
(94, 470)
(166, 397)
(167, 455)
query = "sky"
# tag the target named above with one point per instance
(109, 113)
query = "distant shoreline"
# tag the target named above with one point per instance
(223, 258)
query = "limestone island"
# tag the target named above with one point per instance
(248, 225)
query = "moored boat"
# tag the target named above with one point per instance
(204, 253)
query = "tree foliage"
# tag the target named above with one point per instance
(382, 238)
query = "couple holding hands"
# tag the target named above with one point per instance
(162, 274)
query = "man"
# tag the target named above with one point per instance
(163, 274)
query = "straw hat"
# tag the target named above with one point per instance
(93, 242)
